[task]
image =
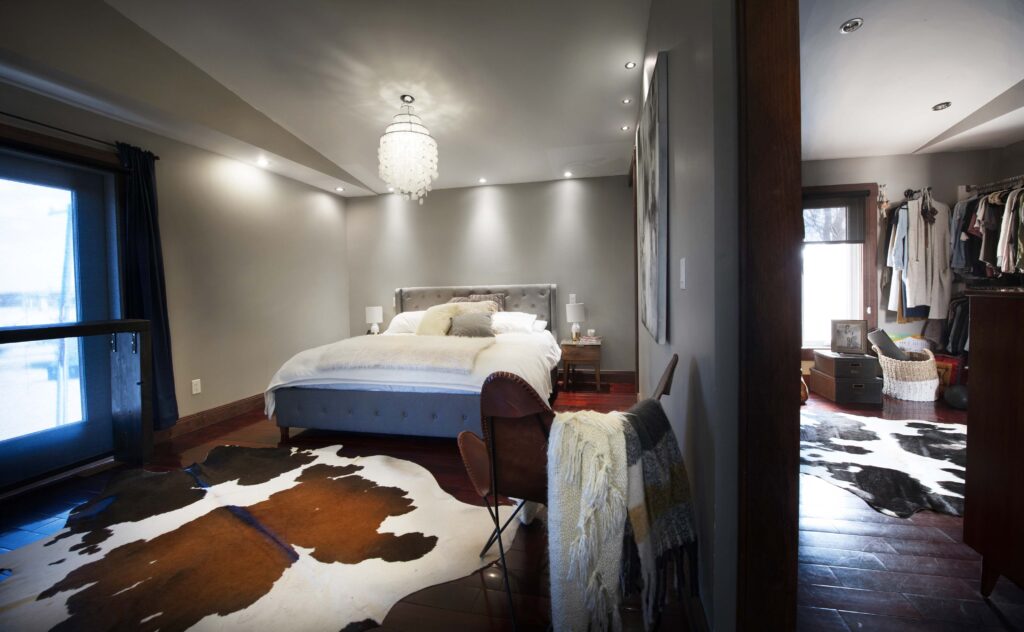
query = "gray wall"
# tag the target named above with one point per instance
(1010, 161)
(255, 263)
(944, 172)
(577, 233)
(703, 319)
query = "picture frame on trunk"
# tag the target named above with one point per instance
(850, 336)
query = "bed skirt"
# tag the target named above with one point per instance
(378, 412)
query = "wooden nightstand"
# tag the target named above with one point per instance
(588, 354)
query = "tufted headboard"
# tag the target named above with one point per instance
(536, 299)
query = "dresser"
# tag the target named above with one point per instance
(994, 499)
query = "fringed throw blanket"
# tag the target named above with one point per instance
(620, 515)
(449, 354)
(586, 519)
(660, 508)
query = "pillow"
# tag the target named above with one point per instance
(405, 323)
(438, 320)
(477, 307)
(513, 323)
(472, 325)
(498, 299)
(540, 325)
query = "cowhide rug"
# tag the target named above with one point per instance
(251, 539)
(897, 467)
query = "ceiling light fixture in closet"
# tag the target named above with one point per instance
(945, 105)
(482, 180)
(339, 189)
(630, 65)
(851, 25)
(567, 174)
(625, 128)
(627, 101)
(408, 154)
(262, 161)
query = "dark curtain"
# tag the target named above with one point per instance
(143, 291)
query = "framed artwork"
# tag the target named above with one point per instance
(850, 336)
(652, 203)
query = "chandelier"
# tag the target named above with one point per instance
(408, 154)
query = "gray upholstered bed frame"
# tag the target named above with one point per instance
(417, 414)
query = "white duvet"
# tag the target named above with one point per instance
(531, 356)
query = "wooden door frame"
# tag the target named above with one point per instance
(771, 231)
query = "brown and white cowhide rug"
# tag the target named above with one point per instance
(251, 539)
(897, 467)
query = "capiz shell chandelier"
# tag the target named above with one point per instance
(408, 154)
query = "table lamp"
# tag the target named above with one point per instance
(374, 315)
(575, 313)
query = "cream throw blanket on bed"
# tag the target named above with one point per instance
(448, 354)
(587, 486)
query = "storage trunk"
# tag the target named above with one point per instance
(844, 365)
(847, 390)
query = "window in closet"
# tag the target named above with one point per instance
(838, 262)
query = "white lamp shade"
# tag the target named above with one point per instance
(375, 314)
(575, 313)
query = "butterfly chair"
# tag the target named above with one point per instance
(513, 454)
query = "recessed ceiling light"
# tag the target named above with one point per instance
(625, 128)
(262, 161)
(630, 65)
(567, 174)
(627, 101)
(851, 25)
(482, 180)
(391, 189)
(339, 189)
(938, 107)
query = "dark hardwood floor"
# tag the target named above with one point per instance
(476, 602)
(863, 570)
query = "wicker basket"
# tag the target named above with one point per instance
(916, 380)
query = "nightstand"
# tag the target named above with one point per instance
(588, 354)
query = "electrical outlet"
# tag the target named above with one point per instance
(197, 387)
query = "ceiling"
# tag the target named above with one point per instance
(513, 92)
(871, 92)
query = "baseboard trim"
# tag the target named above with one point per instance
(204, 418)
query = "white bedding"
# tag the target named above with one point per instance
(529, 355)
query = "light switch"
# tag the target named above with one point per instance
(197, 387)
(682, 273)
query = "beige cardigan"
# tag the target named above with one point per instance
(928, 276)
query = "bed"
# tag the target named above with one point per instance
(418, 402)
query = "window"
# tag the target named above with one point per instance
(838, 264)
(40, 382)
(57, 266)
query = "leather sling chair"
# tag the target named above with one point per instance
(516, 418)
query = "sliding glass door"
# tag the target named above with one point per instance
(57, 265)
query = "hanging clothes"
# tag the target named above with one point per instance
(920, 252)
(1005, 256)
(957, 239)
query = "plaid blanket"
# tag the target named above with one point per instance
(660, 529)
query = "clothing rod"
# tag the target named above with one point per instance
(63, 131)
(997, 185)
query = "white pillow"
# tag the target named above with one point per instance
(540, 325)
(513, 322)
(405, 323)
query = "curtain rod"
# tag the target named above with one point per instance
(1005, 183)
(63, 131)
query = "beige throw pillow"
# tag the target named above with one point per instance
(438, 319)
